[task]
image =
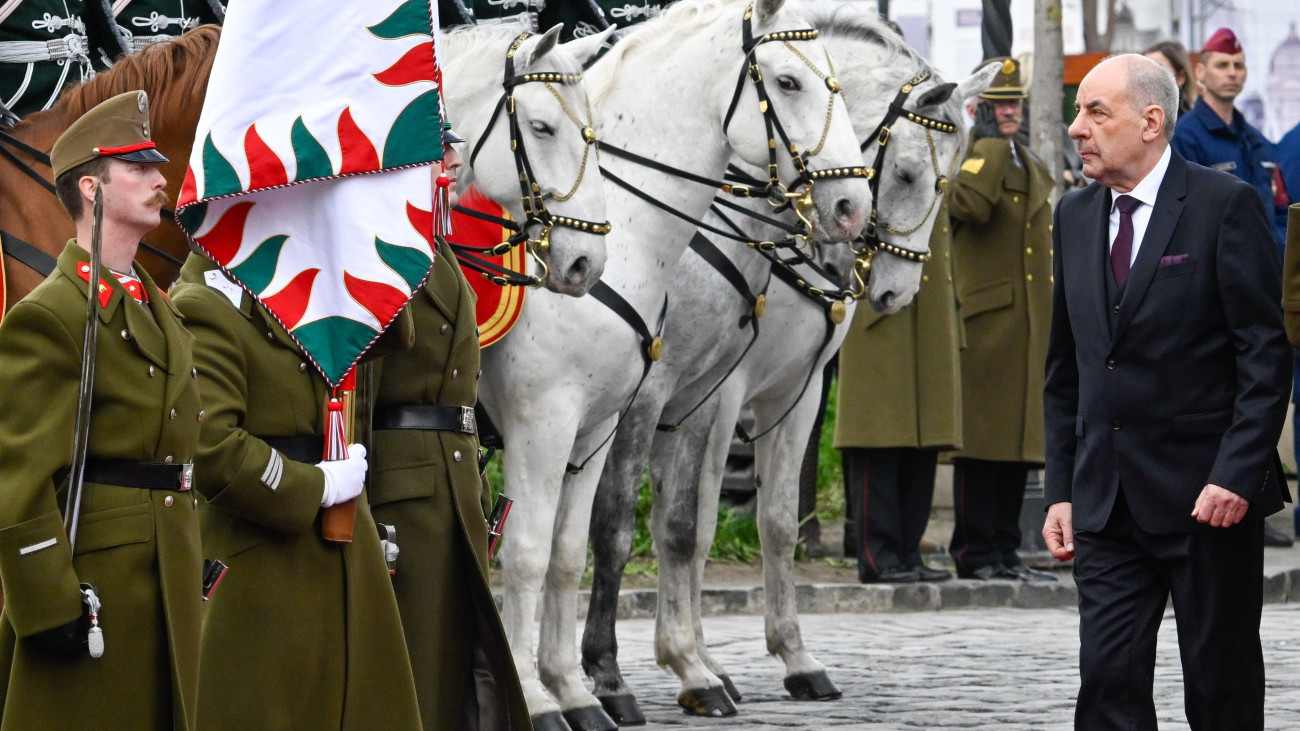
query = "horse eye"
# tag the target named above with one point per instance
(788, 83)
(904, 176)
(542, 128)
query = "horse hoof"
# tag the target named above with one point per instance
(731, 688)
(592, 718)
(623, 709)
(552, 721)
(812, 687)
(713, 702)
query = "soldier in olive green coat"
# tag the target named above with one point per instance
(302, 633)
(899, 403)
(137, 539)
(1002, 256)
(426, 483)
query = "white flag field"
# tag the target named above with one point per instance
(309, 180)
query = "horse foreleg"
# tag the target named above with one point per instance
(532, 468)
(712, 467)
(675, 522)
(557, 657)
(613, 523)
(777, 457)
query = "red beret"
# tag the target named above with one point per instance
(1223, 41)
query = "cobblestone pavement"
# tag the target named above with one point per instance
(1004, 669)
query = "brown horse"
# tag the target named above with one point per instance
(175, 74)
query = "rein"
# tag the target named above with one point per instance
(27, 253)
(831, 301)
(531, 197)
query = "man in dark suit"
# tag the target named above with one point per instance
(1168, 374)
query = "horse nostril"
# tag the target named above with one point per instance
(887, 299)
(577, 273)
(845, 210)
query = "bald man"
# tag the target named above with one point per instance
(1167, 380)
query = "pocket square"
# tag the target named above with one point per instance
(1168, 261)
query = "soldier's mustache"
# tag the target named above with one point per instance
(159, 198)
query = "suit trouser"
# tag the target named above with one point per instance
(890, 492)
(987, 497)
(1124, 576)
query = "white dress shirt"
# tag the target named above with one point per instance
(1146, 192)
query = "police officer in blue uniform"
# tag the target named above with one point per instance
(1216, 135)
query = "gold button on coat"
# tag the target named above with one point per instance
(456, 455)
(168, 501)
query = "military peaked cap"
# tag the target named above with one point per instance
(117, 127)
(1007, 84)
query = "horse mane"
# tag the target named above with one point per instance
(490, 41)
(176, 71)
(679, 19)
(899, 61)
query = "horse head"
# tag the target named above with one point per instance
(917, 151)
(549, 139)
(785, 114)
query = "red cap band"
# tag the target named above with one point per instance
(146, 145)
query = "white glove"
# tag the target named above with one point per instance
(344, 478)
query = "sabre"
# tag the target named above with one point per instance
(81, 434)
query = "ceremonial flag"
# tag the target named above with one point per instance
(309, 179)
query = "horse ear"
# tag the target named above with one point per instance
(532, 50)
(977, 82)
(584, 49)
(935, 96)
(766, 9)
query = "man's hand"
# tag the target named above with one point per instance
(1058, 531)
(1219, 507)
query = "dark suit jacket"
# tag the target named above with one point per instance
(1190, 386)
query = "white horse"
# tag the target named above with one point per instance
(556, 385)
(551, 116)
(780, 377)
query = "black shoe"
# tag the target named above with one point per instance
(925, 573)
(897, 575)
(1024, 573)
(1274, 538)
(987, 573)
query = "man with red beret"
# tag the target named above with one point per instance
(1216, 135)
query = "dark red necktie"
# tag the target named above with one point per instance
(1122, 251)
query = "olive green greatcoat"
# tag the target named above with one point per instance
(301, 634)
(1002, 259)
(139, 547)
(1291, 276)
(900, 375)
(427, 485)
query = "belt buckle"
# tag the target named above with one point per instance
(186, 477)
(467, 419)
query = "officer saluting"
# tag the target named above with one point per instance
(138, 535)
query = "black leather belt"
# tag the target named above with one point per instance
(425, 416)
(309, 448)
(145, 475)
